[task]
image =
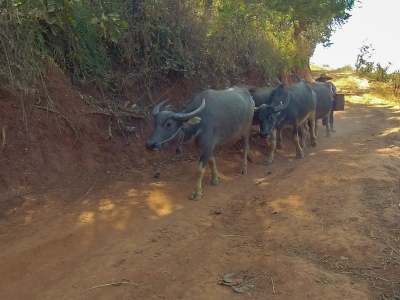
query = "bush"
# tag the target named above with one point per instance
(345, 69)
(210, 42)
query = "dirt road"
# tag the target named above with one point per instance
(323, 227)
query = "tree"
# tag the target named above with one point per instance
(305, 13)
(311, 22)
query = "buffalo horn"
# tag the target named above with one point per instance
(277, 81)
(283, 105)
(156, 109)
(187, 116)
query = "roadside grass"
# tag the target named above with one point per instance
(359, 89)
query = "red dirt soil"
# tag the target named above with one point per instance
(87, 218)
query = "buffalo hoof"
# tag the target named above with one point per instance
(214, 181)
(194, 196)
(313, 143)
(268, 162)
(301, 155)
(243, 171)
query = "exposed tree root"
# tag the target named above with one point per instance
(117, 117)
(110, 135)
(70, 124)
(111, 114)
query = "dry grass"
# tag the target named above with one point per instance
(359, 89)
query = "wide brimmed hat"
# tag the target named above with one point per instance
(323, 77)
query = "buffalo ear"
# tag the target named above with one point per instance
(168, 108)
(192, 121)
(260, 108)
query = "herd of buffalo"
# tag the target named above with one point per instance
(214, 117)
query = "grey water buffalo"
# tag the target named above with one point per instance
(260, 97)
(210, 118)
(288, 106)
(324, 104)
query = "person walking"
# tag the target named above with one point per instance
(325, 78)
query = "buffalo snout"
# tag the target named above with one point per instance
(150, 145)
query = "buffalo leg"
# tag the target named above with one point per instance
(304, 135)
(279, 139)
(295, 137)
(313, 138)
(205, 157)
(249, 157)
(214, 172)
(272, 147)
(267, 144)
(326, 121)
(197, 192)
(246, 153)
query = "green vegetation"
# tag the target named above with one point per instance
(345, 69)
(210, 41)
(383, 83)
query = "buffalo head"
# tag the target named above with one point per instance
(271, 114)
(169, 125)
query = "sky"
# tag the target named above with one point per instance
(372, 22)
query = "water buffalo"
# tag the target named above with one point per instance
(324, 104)
(288, 106)
(260, 97)
(211, 117)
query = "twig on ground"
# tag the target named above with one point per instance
(371, 275)
(3, 135)
(89, 190)
(115, 283)
(273, 285)
(68, 121)
(54, 187)
(17, 196)
(392, 248)
(233, 235)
